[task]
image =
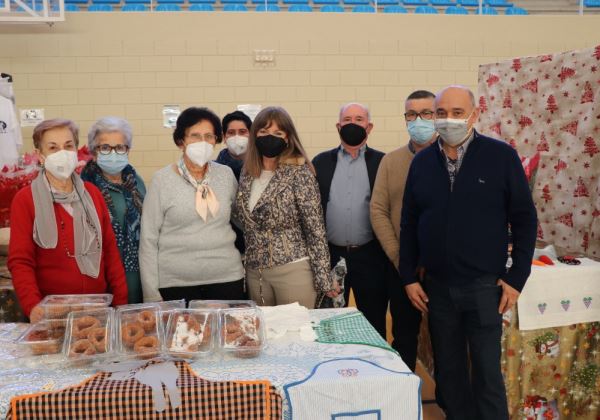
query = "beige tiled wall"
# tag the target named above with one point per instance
(131, 64)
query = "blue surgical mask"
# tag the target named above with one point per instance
(420, 130)
(113, 163)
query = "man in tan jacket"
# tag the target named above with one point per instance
(386, 206)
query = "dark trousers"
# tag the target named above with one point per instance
(406, 320)
(232, 290)
(464, 323)
(367, 277)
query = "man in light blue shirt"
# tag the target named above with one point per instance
(346, 176)
(348, 206)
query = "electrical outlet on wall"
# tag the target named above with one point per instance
(264, 57)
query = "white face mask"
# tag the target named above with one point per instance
(453, 131)
(237, 145)
(61, 164)
(200, 152)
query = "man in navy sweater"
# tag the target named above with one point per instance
(461, 195)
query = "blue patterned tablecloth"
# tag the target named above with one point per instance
(282, 361)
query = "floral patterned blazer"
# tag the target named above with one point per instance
(287, 222)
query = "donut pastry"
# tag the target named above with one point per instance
(98, 338)
(82, 326)
(131, 333)
(83, 347)
(147, 320)
(42, 343)
(146, 345)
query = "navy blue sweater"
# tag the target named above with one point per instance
(462, 234)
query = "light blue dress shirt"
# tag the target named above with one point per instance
(348, 220)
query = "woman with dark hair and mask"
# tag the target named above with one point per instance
(61, 240)
(187, 246)
(279, 207)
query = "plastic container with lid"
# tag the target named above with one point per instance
(190, 332)
(137, 331)
(165, 307)
(59, 306)
(41, 338)
(242, 331)
(221, 304)
(89, 336)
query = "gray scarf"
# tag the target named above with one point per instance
(86, 225)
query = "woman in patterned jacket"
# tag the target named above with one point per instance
(278, 205)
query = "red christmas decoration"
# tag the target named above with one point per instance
(565, 73)
(560, 165)
(585, 243)
(525, 121)
(546, 193)
(570, 128)
(482, 104)
(540, 232)
(544, 58)
(516, 66)
(496, 128)
(588, 93)
(596, 213)
(581, 190)
(513, 143)
(591, 148)
(597, 52)
(507, 100)
(543, 144)
(492, 79)
(566, 219)
(551, 104)
(532, 85)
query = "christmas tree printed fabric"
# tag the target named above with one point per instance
(551, 104)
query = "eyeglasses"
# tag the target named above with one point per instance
(106, 149)
(208, 137)
(412, 115)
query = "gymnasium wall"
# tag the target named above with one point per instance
(131, 64)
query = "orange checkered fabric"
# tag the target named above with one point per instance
(102, 398)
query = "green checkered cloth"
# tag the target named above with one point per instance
(352, 328)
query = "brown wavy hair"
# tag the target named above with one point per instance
(47, 125)
(294, 153)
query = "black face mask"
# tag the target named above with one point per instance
(270, 146)
(353, 134)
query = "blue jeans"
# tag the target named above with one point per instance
(464, 324)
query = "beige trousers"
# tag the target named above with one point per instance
(287, 283)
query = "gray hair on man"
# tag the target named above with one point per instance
(110, 125)
(469, 91)
(349, 104)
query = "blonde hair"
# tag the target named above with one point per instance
(294, 153)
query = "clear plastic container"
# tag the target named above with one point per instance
(41, 338)
(221, 304)
(166, 307)
(137, 333)
(242, 331)
(89, 335)
(190, 332)
(59, 306)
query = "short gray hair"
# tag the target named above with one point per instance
(109, 125)
(349, 104)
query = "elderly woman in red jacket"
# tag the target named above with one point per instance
(61, 240)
